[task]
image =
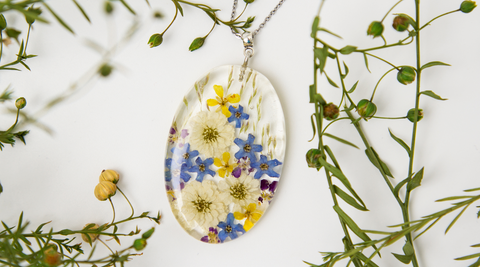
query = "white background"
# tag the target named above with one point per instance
(122, 123)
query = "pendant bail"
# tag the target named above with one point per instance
(247, 38)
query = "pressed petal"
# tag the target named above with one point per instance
(248, 225)
(252, 207)
(219, 90)
(217, 162)
(225, 111)
(222, 172)
(233, 98)
(222, 235)
(226, 157)
(212, 102)
(256, 216)
(239, 216)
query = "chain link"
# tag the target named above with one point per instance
(255, 32)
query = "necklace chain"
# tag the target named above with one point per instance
(255, 32)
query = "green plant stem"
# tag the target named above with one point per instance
(390, 10)
(439, 16)
(131, 207)
(173, 20)
(113, 208)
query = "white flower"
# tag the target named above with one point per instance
(242, 191)
(211, 133)
(203, 203)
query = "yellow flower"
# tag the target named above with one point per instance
(252, 215)
(222, 101)
(225, 166)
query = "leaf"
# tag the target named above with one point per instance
(432, 95)
(348, 49)
(327, 31)
(346, 71)
(353, 88)
(330, 81)
(366, 61)
(128, 7)
(351, 224)
(377, 162)
(456, 218)
(340, 140)
(403, 258)
(313, 92)
(401, 142)
(82, 10)
(400, 185)
(348, 199)
(315, 26)
(178, 6)
(60, 20)
(321, 54)
(415, 181)
(313, 127)
(468, 257)
(433, 63)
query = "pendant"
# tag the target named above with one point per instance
(225, 154)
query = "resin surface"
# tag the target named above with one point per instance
(225, 154)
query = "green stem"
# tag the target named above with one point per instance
(390, 10)
(381, 78)
(131, 207)
(439, 16)
(174, 18)
(113, 208)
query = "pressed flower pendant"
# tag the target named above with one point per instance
(225, 154)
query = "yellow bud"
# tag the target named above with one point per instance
(51, 256)
(93, 237)
(105, 190)
(109, 176)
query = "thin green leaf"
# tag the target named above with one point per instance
(321, 54)
(415, 181)
(57, 17)
(377, 162)
(347, 50)
(327, 31)
(432, 95)
(353, 88)
(348, 199)
(452, 198)
(351, 224)
(400, 185)
(82, 10)
(178, 6)
(128, 7)
(346, 70)
(366, 61)
(331, 81)
(313, 127)
(468, 257)
(340, 140)
(401, 142)
(313, 92)
(456, 219)
(433, 63)
(403, 258)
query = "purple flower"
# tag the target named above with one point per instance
(247, 148)
(237, 115)
(184, 133)
(265, 185)
(229, 228)
(265, 167)
(212, 236)
(202, 168)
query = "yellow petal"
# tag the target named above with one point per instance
(222, 172)
(252, 207)
(229, 168)
(248, 225)
(226, 157)
(217, 162)
(256, 216)
(219, 90)
(233, 98)
(226, 112)
(212, 102)
(238, 215)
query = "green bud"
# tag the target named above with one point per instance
(139, 244)
(411, 115)
(20, 102)
(330, 111)
(155, 40)
(366, 109)
(406, 75)
(13, 33)
(467, 6)
(108, 7)
(3, 22)
(35, 12)
(148, 233)
(197, 43)
(375, 29)
(105, 70)
(248, 1)
(400, 23)
(312, 158)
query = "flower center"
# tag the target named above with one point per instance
(264, 166)
(210, 134)
(228, 229)
(238, 191)
(238, 115)
(186, 155)
(201, 205)
(212, 237)
(247, 148)
(201, 167)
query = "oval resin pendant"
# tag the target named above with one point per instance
(225, 154)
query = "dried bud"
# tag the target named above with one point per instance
(108, 7)
(93, 237)
(51, 257)
(312, 158)
(248, 1)
(105, 190)
(155, 40)
(34, 12)
(411, 115)
(158, 15)
(148, 233)
(139, 244)
(401, 22)
(109, 176)
(375, 29)
(330, 111)
(366, 109)
(3, 22)
(197, 43)
(467, 6)
(105, 70)
(406, 75)
(20, 102)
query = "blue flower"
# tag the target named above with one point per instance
(184, 155)
(202, 168)
(265, 167)
(247, 148)
(168, 172)
(237, 115)
(177, 171)
(229, 229)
